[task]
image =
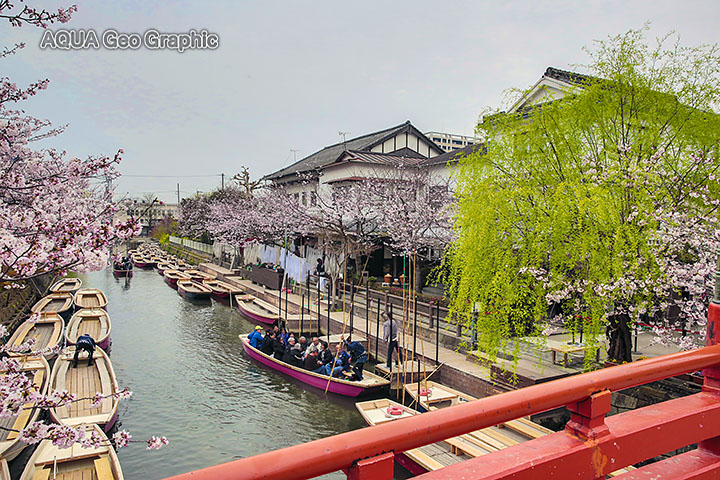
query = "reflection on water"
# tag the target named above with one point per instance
(193, 384)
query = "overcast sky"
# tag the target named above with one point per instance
(291, 75)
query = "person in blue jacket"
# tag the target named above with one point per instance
(87, 343)
(358, 356)
(256, 338)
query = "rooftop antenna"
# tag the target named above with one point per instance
(343, 135)
(294, 151)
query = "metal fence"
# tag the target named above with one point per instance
(199, 246)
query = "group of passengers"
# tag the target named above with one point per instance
(316, 355)
(123, 264)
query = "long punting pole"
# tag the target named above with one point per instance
(330, 286)
(287, 288)
(352, 303)
(377, 330)
(415, 319)
(367, 313)
(302, 309)
(318, 300)
(437, 332)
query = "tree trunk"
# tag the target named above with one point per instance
(618, 332)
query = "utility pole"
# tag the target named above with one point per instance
(294, 154)
(178, 192)
(223, 180)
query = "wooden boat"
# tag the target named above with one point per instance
(90, 298)
(84, 381)
(193, 290)
(74, 463)
(92, 321)
(37, 369)
(221, 289)
(172, 277)
(456, 449)
(149, 262)
(59, 303)
(68, 285)
(435, 395)
(199, 276)
(162, 266)
(259, 310)
(47, 330)
(120, 272)
(139, 261)
(369, 384)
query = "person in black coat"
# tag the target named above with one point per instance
(268, 345)
(278, 348)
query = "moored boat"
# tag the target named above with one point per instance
(199, 276)
(66, 285)
(59, 303)
(75, 462)
(162, 266)
(351, 388)
(85, 381)
(139, 261)
(38, 370)
(91, 321)
(47, 331)
(221, 289)
(193, 290)
(456, 449)
(435, 395)
(172, 277)
(90, 298)
(259, 310)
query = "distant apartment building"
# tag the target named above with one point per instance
(449, 142)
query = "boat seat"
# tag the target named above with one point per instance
(103, 468)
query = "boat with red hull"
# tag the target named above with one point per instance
(119, 273)
(222, 290)
(369, 384)
(172, 277)
(193, 290)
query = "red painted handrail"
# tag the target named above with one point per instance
(341, 451)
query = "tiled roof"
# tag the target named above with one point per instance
(453, 156)
(331, 153)
(382, 158)
(568, 77)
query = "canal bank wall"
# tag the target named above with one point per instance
(15, 303)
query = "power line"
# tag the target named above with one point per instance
(171, 176)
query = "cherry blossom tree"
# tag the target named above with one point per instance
(55, 214)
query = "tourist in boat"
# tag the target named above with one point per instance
(390, 335)
(293, 354)
(311, 361)
(255, 338)
(278, 347)
(302, 341)
(358, 357)
(342, 362)
(87, 343)
(313, 346)
(324, 359)
(268, 345)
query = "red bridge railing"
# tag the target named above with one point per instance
(590, 447)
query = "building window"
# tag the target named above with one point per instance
(304, 199)
(313, 198)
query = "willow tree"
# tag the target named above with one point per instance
(597, 208)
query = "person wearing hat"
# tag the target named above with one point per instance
(255, 338)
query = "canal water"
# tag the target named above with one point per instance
(192, 383)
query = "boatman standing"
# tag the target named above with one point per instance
(84, 342)
(390, 335)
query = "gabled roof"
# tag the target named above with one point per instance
(454, 156)
(391, 159)
(331, 153)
